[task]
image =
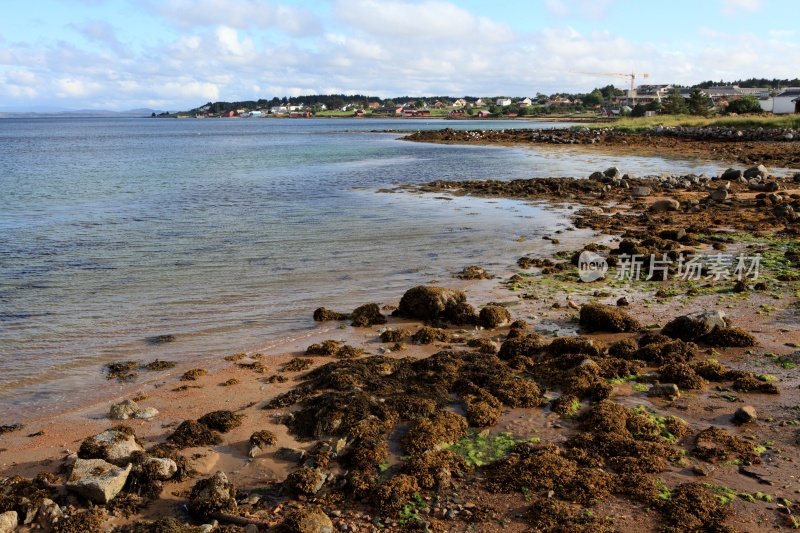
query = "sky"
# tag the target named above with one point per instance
(178, 54)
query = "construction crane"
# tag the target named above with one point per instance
(632, 76)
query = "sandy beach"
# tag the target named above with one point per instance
(527, 398)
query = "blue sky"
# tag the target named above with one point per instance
(177, 54)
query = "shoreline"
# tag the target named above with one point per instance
(604, 208)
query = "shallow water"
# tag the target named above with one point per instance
(228, 233)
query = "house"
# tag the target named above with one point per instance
(786, 102)
(359, 113)
(230, 114)
(388, 111)
(652, 93)
(503, 102)
(438, 104)
(301, 114)
(484, 114)
(455, 114)
(458, 104)
(278, 109)
(559, 100)
(373, 105)
(525, 102)
(479, 103)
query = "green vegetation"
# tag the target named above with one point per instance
(660, 421)
(664, 493)
(480, 449)
(410, 511)
(639, 124)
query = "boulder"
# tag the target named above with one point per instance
(307, 521)
(597, 176)
(719, 195)
(664, 390)
(49, 514)
(494, 316)
(306, 480)
(429, 303)
(756, 172)
(212, 495)
(667, 204)
(612, 173)
(115, 445)
(745, 415)
(97, 480)
(9, 522)
(641, 192)
(694, 325)
(130, 409)
(731, 174)
(160, 468)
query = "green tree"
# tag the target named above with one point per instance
(675, 104)
(594, 98)
(389, 103)
(745, 104)
(638, 110)
(699, 103)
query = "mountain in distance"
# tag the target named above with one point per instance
(77, 113)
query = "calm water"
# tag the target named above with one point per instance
(228, 233)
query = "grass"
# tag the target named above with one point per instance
(633, 125)
(480, 449)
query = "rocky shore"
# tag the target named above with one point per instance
(776, 147)
(532, 399)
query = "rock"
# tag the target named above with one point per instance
(668, 204)
(9, 522)
(673, 234)
(623, 301)
(599, 317)
(596, 176)
(664, 390)
(367, 315)
(97, 480)
(115, 445)
(129, 409)
(744, 415)
(612, 173)
(756, 172)
(290, 454)
(719, 195)
(48, 515)
(307, 521)
(323, 314)
(212, 495)
(251, 528)
(731, 174)
(306, 480)
(694, 325)
(771, 186)
(640, 192)
(494, 316)
(784, 211)
(473, 272)
(161, 468)
(429, 303)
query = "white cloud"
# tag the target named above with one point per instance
(592, 9)
(732, 7)
(241, 14)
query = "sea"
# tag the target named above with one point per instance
(228, 233)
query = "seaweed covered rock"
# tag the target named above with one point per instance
(323, 314)
(436, 469)
(682, 375)
(337, 349)
(191, 433)
(462, 314)
(599, 317)
(97, 480)
(715, 444)
(573, 345)
(548, 515)
(748, 382)
(305, 480)
(694, 326)
(222, 421)
(259, 441)
(429, 335)
(395, 335)
(130, 409)
(115, 445)
(306, 520)
(473, 272)
(494, 316)
(518, 328)
(694, 507)
(429, 303)
(395, 492)
(367, 315)
(433, 433)
(212, 495)
(525, 346)
(730, 337)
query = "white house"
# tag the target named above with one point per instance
(479, 103)
(766, 103)
(785, 103)
(503, 102)
(458, 104)
(525, 102)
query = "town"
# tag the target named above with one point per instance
(608, 101)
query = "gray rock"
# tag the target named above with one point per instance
(212, 492)
(96, 480)
(161, 468)
(640, 192)
(9, 522)
(664, 390)
(251, 528)
(307, 520)
(613, 173)
(597, 176)
(129, 409)
(771, 186)
(783, 211)
(117, 446)
(290, 454)
(756, 172)
(694, 325)
(623, 301)
(49, 514)
(745, 415)
(719, 195)
(731, 174)
(668, 204)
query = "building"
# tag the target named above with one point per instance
(786, 102)
(458, 104)
(503, 102)
(388, 111)
(479, 103)
(484, 114)
(374, 105)
(525, 102)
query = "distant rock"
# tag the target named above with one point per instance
(668, 204)
(641, 192)
(745, 415)
(308, 520)
(130, 409)
(664, 390)
(694, 325)
(97, 480)
(756, 172)
(719, 195)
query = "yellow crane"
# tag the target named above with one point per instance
(632, 77)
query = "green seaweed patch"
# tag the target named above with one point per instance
(409, 513)
(724, 494)
(480, 449)
(664, 492)
(664, 423)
